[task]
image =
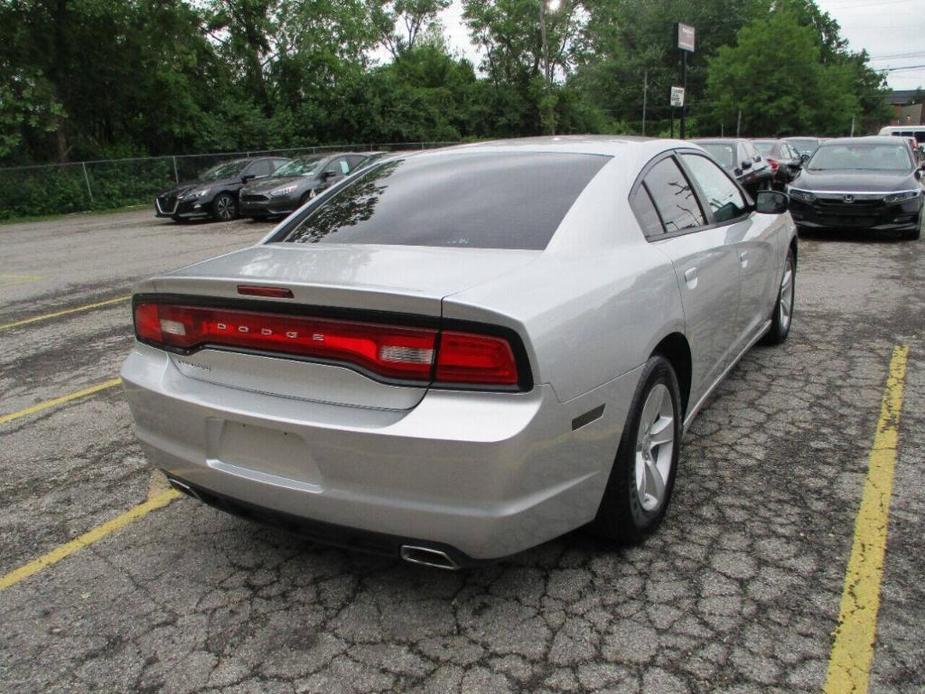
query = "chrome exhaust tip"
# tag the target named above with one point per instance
(426, 556)
(184, 488)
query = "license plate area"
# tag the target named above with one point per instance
(267, 456)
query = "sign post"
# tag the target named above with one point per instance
(686, 37)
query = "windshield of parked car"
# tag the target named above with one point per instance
(303, 166)
(804, 145)
(226, 169)
(766, 149)
(861, 157)
(724, 154)
(472, 200)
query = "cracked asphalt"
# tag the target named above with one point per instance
(738, 592)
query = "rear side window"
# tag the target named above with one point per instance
(646, 213)
(472, 200)
(672, 194)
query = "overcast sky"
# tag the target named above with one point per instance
(892, 31)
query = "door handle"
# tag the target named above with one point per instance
(690, 276)
(743, 258)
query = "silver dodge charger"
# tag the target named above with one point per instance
(459, 354)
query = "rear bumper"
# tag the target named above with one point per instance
(481, 475)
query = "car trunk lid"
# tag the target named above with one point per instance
(355, 284)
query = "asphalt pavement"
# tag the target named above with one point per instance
(740, 590)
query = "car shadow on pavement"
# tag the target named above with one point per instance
(852, 236)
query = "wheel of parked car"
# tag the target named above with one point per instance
(783, 307)
(308, 195)
(644, 470)
(224, 207)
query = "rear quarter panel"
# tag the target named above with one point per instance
(595, 304)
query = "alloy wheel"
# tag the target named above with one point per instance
(786, 296)
(224, 208)
(655, 444)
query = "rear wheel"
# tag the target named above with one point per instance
(783, 307)
(643, 474)
(224, 207)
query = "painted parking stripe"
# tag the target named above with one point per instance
(157, 500)
(54, 402)
(856, 633)
(65, 312)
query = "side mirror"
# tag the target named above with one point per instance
(328, 175)
(771, 202)
(804, 158)
(248, 177)
(920, 172)
(746, 165)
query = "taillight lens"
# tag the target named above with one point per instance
(393, 352)
(475, 359)
(774, 164)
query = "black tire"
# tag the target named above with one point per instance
(621, 516)
(782, 320)
(306, 196)
(224, 207)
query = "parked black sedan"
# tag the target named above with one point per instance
(862, 182)
(294, 184)
(740, 158)
(215, 193)
(784, 161)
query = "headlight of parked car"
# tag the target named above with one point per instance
(198, 193)
(278, 192)
(901, 197)
(802, 195)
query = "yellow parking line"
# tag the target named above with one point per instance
(56, 314)
(853, 648)
(154, 502)
(54, 402)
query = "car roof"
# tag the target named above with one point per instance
(721, 140)
(868, 139)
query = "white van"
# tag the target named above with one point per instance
(916, 131)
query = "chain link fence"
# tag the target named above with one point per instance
(27, 191)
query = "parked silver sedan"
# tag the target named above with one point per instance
(463, 353)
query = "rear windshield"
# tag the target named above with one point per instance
(724, 154)
(472, 200)
(861, 157)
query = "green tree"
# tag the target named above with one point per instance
(774, 75)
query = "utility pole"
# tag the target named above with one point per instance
(645, 96)
(852, 126)
(685, 36)
(739, 124)
(684, 84)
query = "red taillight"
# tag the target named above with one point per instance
(774, 164)
(393, 352)
(389, 351)
(479, 359)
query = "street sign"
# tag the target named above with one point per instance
(677, 97)
(686, 37)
